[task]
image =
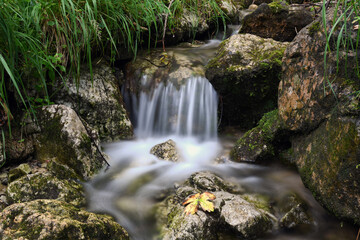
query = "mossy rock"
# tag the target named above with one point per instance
(96, 97)
(327, 161)
(19, 171)
(65, 139)
(45, 186)
(52, 219)
(245, 72)
(309, 94)
(262, 143)
(232, 212)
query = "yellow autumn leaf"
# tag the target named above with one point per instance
(196, 199)
(192, 207)
(207, 196)
(192, 198)
(206, 205)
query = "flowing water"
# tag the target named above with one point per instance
(188, 115)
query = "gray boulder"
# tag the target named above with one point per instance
(65, 140)
(97, 99)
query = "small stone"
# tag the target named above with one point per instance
(253, 7)
(296, 218)
(166, 151)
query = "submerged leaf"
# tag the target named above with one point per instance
(196, 199)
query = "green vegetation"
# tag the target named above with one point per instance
(277, 6)
(342, 36)
(43, 39)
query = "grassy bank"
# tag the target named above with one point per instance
(42, 39)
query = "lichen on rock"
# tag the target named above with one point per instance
(53, 219)
(45, 186)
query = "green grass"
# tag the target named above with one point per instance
(43, 39)
(345, 12)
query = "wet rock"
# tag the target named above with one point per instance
(166, 151)
(263, 142)
(45, 186)
(64, 139)
(277, 21)
(305, 98)
(327, 161)
(207, 181)
(232, 213)
(174, 66)
(175, 225)
(97, 99)
(245, 72)
(21, 170)
(52, 219)
(296, 218)
(242, 216)
(326, 150)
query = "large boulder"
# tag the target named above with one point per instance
(246, 72)
(65, 140)
(308, 93)
(321, 104)
(52, 219)
(96, 97)
(327, 160)
(276, 20)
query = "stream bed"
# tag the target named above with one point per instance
(137, 180)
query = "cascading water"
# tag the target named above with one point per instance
(186, 114)
(188, 111)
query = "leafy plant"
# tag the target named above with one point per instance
(195, 200)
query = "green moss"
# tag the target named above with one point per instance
(259, 201)
(277, 6)
(327, 161)
(314, 28)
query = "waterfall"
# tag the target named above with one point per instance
(189, 110)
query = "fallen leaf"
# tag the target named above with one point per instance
(196, 199)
